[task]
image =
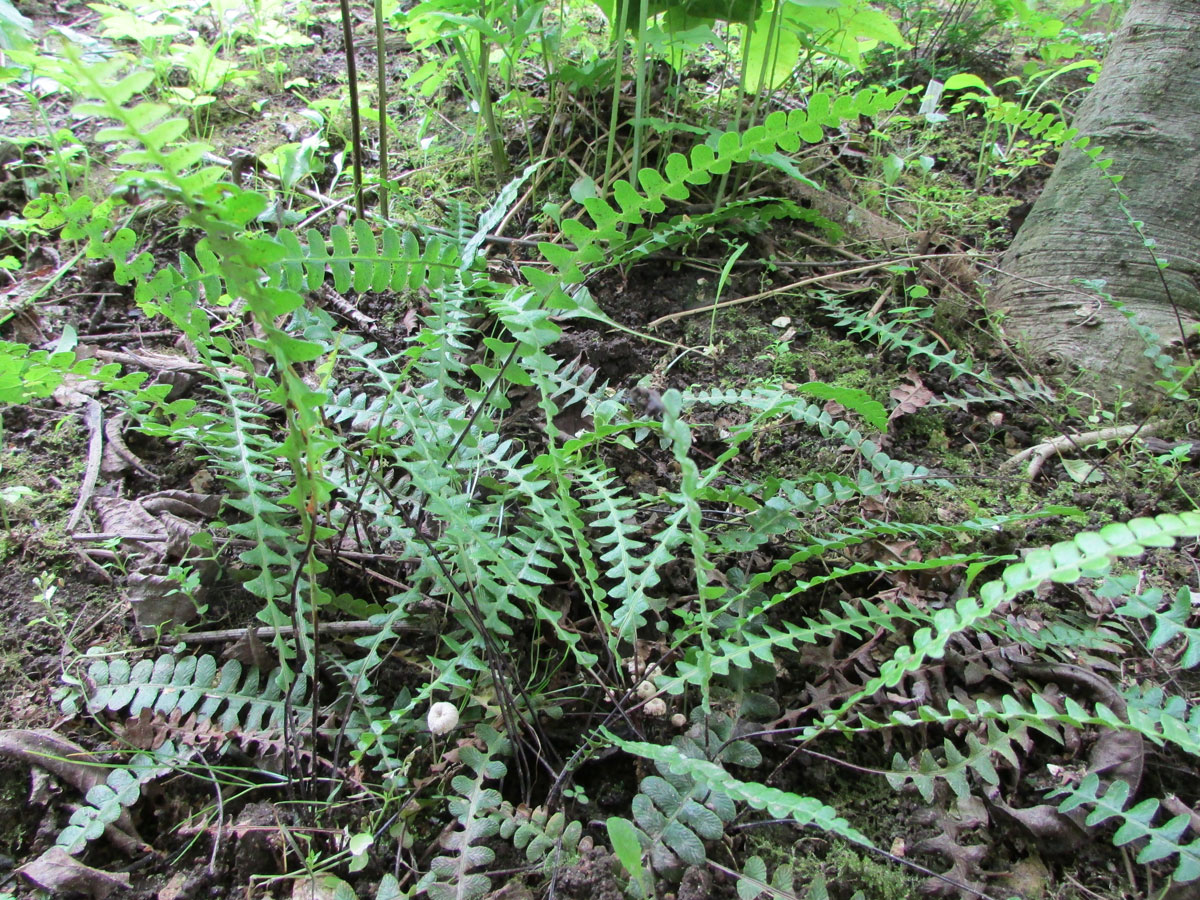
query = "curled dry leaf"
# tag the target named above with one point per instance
(60, 873)
(156, 530)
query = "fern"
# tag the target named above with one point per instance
(543, 837)
(1089, 553)
(453, 877)
(673, 823)
(107, 802)
(1161, 842)
(709, 775)
(1169, 622)
(1165, 722)
(957, 765)
(233, 698)
(898, 336)
(771, 402)
(753, 882)
(606, 241)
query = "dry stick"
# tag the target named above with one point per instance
(94, 417)
(91, 537)
(816, 279)
(1043, 451)
(125, 336)
(268, 631)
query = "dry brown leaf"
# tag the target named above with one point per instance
(58, 872)
(909, 397)
(251, 651)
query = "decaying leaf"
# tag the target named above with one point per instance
(321, 887)
(1046, 826)
(158, 529)
(909, 397)
(58, 872)
(157, 602)
(251, 651)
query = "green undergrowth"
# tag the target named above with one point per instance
(790, 584)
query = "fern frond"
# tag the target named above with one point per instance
(1170, 622)
(122, 789)
(605, 241)
(780, 804)
(1161, 841)
(453, 877)
(1089, 553)
(771, 402)
(551, 839)
(899, 336)
(957, 765)
(232, 697)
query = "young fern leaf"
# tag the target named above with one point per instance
(673, 823)
(958, 765)
(548, 839)
(122, 789)
(1169, 622)
(898, 336)
(1161, 842)
(780, 804)
(453, 877)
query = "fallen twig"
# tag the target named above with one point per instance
(93, 415)
(267, 632)
(1041, 452)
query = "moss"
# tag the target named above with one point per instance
(41, 484)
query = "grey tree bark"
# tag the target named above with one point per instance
(1144, 110)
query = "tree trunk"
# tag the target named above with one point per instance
(1145, 112)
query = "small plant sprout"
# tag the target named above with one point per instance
(442, 718)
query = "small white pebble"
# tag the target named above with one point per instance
(655, 707)
(443, 717)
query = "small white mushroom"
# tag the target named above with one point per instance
(645, 690)
(442, 718)
(655, 707)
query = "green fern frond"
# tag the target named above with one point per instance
(474, 806)
(771, 402)
(1161, 841)
(780, 804)
(1088, 554)
(1161, 720)
(1170, 621)
(957, 765)
(546, 838)
(899, 336)
(606, 242)
(106, 802)
(232, 697)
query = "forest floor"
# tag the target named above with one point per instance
(65, 580)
